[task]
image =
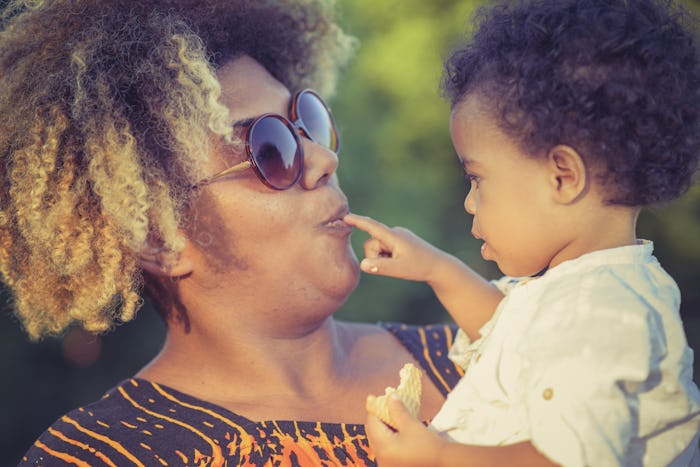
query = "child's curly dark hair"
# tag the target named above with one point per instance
(618, 80)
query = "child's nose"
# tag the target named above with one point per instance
(470, 202)
(320, 164)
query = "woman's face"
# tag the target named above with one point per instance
(281, 250)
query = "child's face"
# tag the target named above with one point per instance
(509, 195)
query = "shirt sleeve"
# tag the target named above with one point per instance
(463, 348)
(584, 368)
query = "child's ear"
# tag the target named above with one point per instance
(568, 175)
(159, 261)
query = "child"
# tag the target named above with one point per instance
(568, 117)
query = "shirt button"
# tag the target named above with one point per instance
(477, 358)
(547, 394)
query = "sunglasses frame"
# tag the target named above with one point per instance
(296, 127)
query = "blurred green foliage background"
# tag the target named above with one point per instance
(397, 164)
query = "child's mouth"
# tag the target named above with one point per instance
(485, 251)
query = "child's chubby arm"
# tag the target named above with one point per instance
(397, 252)
(414, 445)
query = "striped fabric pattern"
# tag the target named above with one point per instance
(142, 423)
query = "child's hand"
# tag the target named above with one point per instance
(396, 252)
(411, 445)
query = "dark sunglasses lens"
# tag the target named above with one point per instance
(276, 152)
(317, 120)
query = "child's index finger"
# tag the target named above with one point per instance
(375, 228)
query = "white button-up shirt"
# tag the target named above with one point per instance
(589, 362)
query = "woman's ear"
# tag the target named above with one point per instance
(157, 260)
(568, 175)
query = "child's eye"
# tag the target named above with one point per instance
(471, 178)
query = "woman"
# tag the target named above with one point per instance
(171, 144)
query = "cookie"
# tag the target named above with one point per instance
(409, 392)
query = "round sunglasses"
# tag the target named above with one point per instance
(273, 145)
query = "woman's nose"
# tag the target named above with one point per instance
(320, 164)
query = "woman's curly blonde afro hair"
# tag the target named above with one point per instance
(107, 108)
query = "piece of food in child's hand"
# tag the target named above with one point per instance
(409, 392)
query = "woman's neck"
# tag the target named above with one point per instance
(240, 357)
(290, 378)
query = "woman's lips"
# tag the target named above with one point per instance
(336, 224)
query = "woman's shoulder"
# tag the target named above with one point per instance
(430, 346)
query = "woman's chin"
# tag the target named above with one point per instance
(347, 279)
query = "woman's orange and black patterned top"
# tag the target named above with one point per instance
(145, 424)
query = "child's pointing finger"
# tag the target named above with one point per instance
(375, 228)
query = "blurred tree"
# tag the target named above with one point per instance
(397, 164)
(397, 161)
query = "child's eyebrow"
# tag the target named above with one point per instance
(467, 162)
